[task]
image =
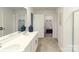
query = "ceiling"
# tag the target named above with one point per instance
(17, 8)
(45, 8)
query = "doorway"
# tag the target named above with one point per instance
(48, 28)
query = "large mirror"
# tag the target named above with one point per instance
(12, 19)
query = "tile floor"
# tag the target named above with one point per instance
(48, 45)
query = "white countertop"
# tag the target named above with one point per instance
(19, 43)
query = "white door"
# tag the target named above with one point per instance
(76, 31)
(38, 24)
(8, 22)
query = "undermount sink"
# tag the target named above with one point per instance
(13, 47)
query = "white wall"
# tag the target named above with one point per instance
(68, 17)
(38, 24)
(60, 28)
(66, 39)
(28, 21)
(53, 13)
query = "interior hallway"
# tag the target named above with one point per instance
(48, 45)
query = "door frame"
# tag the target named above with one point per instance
(73, 44)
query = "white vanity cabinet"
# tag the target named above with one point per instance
(32, 46)
(28, 48)
(27, 42)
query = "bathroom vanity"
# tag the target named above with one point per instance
(19, 42)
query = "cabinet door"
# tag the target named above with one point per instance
(34, 44)
(28, 48)
(38, 24)
(76, 31)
